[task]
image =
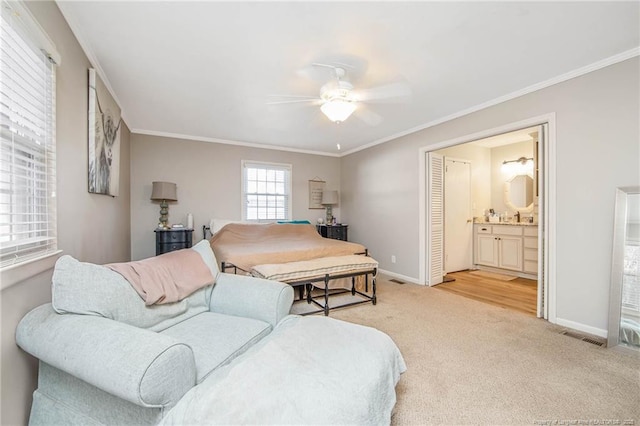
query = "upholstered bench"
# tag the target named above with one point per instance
(320, 273)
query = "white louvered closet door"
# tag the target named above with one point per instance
(435, 211)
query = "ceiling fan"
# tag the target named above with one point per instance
(338, 99)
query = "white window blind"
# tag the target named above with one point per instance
(27, 139)
(266, 191)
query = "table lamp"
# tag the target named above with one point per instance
(164, 192)
(329, 198)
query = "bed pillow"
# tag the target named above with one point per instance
(217, 224)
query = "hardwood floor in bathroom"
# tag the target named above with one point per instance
(519, 294)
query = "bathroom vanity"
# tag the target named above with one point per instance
(512, 247)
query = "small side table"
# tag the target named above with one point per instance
(172, 239)
(336, 232)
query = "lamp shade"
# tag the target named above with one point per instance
(164, 191)
(338, 110)
(329, 197)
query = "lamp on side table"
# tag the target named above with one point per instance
(164, 192)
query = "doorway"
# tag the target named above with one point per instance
(542, 257)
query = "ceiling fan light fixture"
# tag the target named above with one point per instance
(338, 110)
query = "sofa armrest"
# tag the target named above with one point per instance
(138, 365)
(250, 297)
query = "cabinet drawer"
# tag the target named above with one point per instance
(483, 229)
(530, 242)
(166, 248)
(530, 267)
(172, 237)
(530, 231)
(531, 255)
(507, 230)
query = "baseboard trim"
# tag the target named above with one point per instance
(581, 327)
(400, 276)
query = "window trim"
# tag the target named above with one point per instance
(28, 28)
(289, 189)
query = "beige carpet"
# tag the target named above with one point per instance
(474, 363)
(494, 275)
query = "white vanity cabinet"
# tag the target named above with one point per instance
(531, 250)
(510, 247)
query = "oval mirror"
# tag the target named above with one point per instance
(518, 193)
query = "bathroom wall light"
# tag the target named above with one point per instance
(521, 166)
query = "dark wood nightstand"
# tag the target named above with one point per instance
(172, 239)
(336, 232)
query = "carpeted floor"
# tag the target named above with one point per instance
(474, 363)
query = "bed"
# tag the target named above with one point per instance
(243, 246)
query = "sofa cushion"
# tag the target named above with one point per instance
(204, 250)
(167, 278)
(216, 339)
(89, 289)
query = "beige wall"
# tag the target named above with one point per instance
(208, 176)
(93, 228)
(597, 134)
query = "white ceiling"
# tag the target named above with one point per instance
(206, 70)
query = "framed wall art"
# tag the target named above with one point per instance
(104, 139)
(316, 187)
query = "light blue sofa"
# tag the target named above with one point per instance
(106, 358)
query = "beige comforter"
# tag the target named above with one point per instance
(248, 245)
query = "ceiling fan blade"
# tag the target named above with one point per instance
(398, 91)
(292, 99)
(367, 116)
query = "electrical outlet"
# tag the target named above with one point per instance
(393, 259)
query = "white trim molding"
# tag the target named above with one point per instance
(399, 276)
(14, 274)
(581, 327)
(549, 198)
(631, 53)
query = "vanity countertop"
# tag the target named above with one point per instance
(507, 223)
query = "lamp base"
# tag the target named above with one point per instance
(164, 214)
(329, 218)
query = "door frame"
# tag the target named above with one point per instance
(548, 201)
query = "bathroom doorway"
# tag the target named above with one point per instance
(525, 235)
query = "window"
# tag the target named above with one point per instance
(266, 189)
(27, 138)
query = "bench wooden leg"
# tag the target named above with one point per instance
(326, 295)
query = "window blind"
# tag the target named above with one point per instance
(27, 141)
(266, 191)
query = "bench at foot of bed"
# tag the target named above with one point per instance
(321, 273)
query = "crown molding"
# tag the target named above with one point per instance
(88, 51)
(230, 142)
(86, 47)
(529, 89)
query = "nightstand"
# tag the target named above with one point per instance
(336, 232)
(172, 239)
